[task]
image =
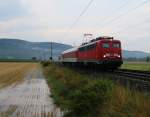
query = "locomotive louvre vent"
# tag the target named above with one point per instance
(104, 37)
(93, 40)
(84, 43)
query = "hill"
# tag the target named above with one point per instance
(20, 49)
(134, 54)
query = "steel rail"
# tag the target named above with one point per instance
(134, 75)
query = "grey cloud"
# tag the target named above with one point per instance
(11, 9)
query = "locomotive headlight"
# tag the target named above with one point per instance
(104, 56)
(119, 56)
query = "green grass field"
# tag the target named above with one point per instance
(143, 66)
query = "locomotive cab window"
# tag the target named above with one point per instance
(105, 45)
(116, 45)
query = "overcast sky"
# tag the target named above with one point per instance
(49, 20)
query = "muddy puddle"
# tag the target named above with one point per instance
(31, 98)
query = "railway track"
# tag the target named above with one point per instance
(139, 80)
(133, 79)
(144, 76)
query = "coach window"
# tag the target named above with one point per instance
(116, 45)
(92, 46)
(105, 45)
(82, 49)
(85, 48)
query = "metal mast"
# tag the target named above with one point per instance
(51, 53)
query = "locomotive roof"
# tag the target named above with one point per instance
(90, 43)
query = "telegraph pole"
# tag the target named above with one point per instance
(51, 56)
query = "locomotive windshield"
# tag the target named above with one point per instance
(105, 45)
(116, 45)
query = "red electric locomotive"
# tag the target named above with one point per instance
(102, 51)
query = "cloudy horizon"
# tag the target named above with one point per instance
(49, 20)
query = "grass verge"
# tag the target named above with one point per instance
(79, 95)
(142, 66)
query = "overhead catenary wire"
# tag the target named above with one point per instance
(110, 21)
(115, 10)
(133, 26)
(127, 12)
(82, 13)
(79, 17)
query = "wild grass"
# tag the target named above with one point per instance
(143, 66)
(12, 73)
(81, 95)
(127, 103)
(76, 94)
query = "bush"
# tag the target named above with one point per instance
(45, 63)
(85, 102)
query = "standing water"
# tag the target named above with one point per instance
(31, 98)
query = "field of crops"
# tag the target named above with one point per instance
(13, 72)
(143, 66)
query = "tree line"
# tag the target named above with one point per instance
(145, 59)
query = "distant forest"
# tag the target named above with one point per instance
(145, 59)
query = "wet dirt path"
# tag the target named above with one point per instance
(31, 98)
